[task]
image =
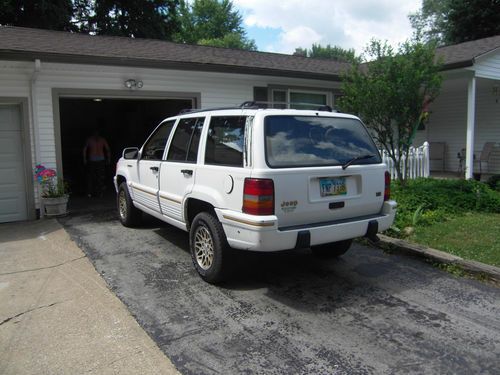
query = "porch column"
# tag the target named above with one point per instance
(471, 123)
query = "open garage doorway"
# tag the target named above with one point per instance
(122, 122)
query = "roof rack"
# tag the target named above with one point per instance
(196, 110)
(286, 105)
(260, 105)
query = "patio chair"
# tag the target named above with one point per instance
(484, 157)
(461, 161)
(436, 153)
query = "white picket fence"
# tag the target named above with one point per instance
(418, 163)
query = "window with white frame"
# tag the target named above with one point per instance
(299, 99)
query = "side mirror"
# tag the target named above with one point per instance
(130, 153)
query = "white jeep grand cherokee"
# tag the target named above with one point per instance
(258, 179)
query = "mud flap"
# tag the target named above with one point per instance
(303, 239)
(372, 230)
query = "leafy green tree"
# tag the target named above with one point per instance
(232, 40)
(137, 18)
(391, 93)
(430, 21)
(471, 20)
(213, 22)
(332, 52)
(155, 19)
(456, 21)
(83, 16)
(299, 51)
(206, 22)
(335, 53)
(53, 15)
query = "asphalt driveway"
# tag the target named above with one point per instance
(290, 313)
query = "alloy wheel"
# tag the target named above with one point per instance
(122, 205)
(203, 247)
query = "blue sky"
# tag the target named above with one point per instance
(263, 36)
(281, 26)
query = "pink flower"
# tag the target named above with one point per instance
(43, 174)
(47, 173)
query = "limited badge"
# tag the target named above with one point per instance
(289, 206)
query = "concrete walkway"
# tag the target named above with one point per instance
(57, 315)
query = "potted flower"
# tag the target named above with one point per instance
(53, 191)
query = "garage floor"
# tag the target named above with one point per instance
(290, 313)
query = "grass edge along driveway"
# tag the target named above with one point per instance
(456, 216)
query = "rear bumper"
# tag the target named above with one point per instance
(261, 233)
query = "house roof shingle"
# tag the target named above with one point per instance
(25, 43)
(19, 42)
(463, 54)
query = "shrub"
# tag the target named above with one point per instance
(427, 201)
(494, 182)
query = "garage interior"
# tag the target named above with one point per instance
(122, 122)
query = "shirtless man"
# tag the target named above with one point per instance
(96, 154)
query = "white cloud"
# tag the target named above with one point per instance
(299, 36)
(346, 23)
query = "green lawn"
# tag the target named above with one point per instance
(457, 216)
(473, 235)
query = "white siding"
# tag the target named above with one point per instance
(488, 65)
(216, 89)
(448, 121)
(15, 80)
(488, 106)
(488, 122)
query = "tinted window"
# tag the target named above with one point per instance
(300, 141)
(195, 141)
(184, 145)
(154, 147)
(225, 141)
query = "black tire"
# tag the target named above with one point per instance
(128, 214)
(209, 248)
(331, 250)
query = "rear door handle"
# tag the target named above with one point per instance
(154, 169)
(187, 171)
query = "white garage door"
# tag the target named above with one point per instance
(13, 205)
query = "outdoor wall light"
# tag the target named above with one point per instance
(133, 84)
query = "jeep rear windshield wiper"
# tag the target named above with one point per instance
(361, 157)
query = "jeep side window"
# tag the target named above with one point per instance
(155, 145)
(225, 141)
(184, 145)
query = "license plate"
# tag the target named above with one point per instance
(332, 186)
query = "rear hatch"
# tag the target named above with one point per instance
(324, 169)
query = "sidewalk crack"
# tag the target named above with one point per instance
(28, 311)
(43, 268)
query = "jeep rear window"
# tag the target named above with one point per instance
(306, 141)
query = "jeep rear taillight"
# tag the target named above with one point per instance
(387, 189)
(258, 196)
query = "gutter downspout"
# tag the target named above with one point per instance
(34, 120)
